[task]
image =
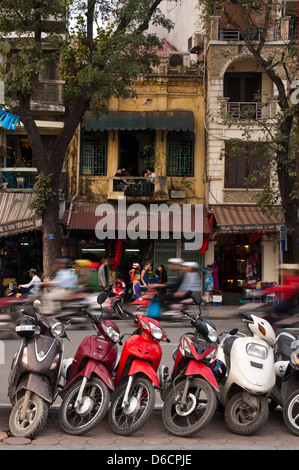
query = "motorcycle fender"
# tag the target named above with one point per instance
(198, 368)
(92, 367)
(145, 368)
(37, 384)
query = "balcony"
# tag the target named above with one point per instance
(252, 34)
(17, 178)
(138, 188)
(246, 110)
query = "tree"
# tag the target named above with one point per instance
(98, 59)
(256, 21)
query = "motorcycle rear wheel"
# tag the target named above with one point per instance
(130, 418)
(95, 403)
(291, 412)
(198, 411)
(242, 419)
(35, 420)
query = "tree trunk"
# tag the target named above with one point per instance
(51, 237)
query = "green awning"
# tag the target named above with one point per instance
(135, 120)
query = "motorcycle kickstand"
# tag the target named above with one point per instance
(126, 396)
(80, 393)
(25, 404)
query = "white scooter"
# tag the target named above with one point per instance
(250, 375)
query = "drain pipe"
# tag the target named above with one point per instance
(77, 179)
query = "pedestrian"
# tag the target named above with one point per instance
(102, 273)
(32, 286)
(144, 278)
(132, 272)
(136, 287)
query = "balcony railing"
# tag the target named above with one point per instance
(138, 187)
(17, 178)
(245, 110)
(252, 33)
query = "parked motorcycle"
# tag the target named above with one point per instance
(286, 390)
(35, 371)
(189, 396)
(88, 382)
(134, 397)
(250, 376)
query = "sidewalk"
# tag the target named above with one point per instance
(152, 437)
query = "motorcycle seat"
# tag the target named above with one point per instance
(228, 343)
(284, 346)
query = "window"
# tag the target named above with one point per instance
(242, 90)
(94, 154)
(180, 154)
(239, 166)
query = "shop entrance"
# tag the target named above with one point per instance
(239, 261)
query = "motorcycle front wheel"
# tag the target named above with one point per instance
(92, 409)
(186, 419)
(125, 419)
(291, 412)
(243, 419)
(34, 420)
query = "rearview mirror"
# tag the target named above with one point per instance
(102, 297)
(196, 296)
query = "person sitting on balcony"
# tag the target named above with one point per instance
(151, 174)
(120, 184)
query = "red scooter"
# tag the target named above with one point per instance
(134, 397)
(189, 396)
(86, 393)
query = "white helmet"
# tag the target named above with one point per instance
(191, 264)
(175, 261)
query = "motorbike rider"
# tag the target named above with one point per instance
(288, 291)
(177, 276)
(61, 286)
(190, 282)
(32, 286)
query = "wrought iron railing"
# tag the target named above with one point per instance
(246, 110)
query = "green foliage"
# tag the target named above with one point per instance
(42, 193)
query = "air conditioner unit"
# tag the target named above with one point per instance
(195, 43)
(179, 58)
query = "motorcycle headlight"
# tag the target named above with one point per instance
(212, 335)
(57, 329)
(257, 350)
(111, 332)
(184, 347)
(156, 332)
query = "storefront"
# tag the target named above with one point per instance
(243, 246)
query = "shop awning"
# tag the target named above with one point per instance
(245, 219)
(82, 216)
(136, 120)
(15, 215)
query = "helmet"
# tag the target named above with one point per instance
(136, 265)
(219, 370)
(25, 328)
(175, 261)
(33, 271)
(191, 264)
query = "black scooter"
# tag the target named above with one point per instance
(285, 393)
(35, 372)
